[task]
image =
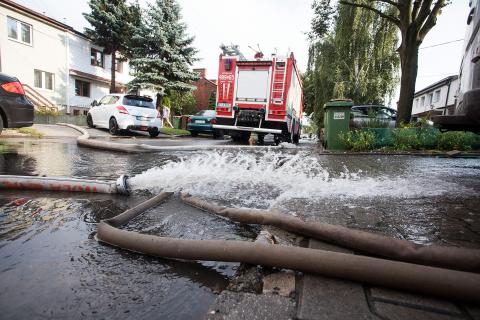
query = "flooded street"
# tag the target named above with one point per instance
(51, 266)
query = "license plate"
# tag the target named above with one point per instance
(199, 121)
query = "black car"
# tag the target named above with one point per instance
(15, 109)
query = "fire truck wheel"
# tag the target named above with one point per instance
(296, 137)
(277, 139)
(261, 139)
(218, 134)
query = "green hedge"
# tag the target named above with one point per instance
(409, 139)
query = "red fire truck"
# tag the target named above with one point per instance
(261, 95)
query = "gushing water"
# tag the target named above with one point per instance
(263, 180)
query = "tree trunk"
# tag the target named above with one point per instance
(159, 101)
(409, 68)
(112, 71)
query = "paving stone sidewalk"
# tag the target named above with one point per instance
(318, 297)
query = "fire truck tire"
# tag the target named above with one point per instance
(241, 136)
(218, 134)
(261, 139)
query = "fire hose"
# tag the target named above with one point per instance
(85, 141)
(443, 283)
(448, 257)
(64, 184)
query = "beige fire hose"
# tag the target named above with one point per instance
(378, 245)
(64, 184)
(443, 283)
(86, 141)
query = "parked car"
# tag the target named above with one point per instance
(373, 115)
(16, 110)
(203, 121)
(118, 112)
(467, 109)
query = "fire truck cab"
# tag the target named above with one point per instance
(261, 95)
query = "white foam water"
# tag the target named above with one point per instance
(262, 180)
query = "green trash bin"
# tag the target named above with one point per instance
(336, 121)
(176, 122)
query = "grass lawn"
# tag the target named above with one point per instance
(174, 132)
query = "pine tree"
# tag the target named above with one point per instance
(162, 52)
(112, 24)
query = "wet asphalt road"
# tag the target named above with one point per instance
(52, 267)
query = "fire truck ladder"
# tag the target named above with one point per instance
(278, 89)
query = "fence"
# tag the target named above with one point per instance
(80, 120)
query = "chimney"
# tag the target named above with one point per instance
(201, 72)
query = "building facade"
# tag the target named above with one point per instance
(205, 89)
(56, 63)
(436, 99)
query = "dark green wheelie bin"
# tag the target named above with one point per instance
(336, 121)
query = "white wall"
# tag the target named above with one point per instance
(79, 59)
(56, 51)
(429, 105)
(48, 53)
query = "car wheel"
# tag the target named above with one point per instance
(193, 133)
(113, 126)
(90, 121)
(154, 133)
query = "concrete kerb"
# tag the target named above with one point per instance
(84, 140)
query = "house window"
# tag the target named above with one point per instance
(422, 101)
(430, 99)
(118, 66)
(43, 80)
(76, 112)
(82, 88)
(19, 31)
(96, 58)
(436, 96)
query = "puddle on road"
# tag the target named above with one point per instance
(50, 265)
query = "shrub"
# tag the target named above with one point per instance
(358, 140)
(44, 111)
(415, 138)
(458, 140)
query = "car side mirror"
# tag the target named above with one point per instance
(94, 103)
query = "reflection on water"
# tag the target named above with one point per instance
(51, 265)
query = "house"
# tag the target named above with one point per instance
(59, 66)
(436, 99)
(205, 89)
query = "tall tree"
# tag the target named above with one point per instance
(112, 24)
(352, 58)
(414, 18)
(162, 52)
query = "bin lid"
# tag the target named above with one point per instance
(338, 103)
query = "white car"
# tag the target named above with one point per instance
(117, 112)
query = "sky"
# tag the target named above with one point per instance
(278, 25)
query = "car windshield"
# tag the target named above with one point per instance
(206, 113)
(137, 101)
